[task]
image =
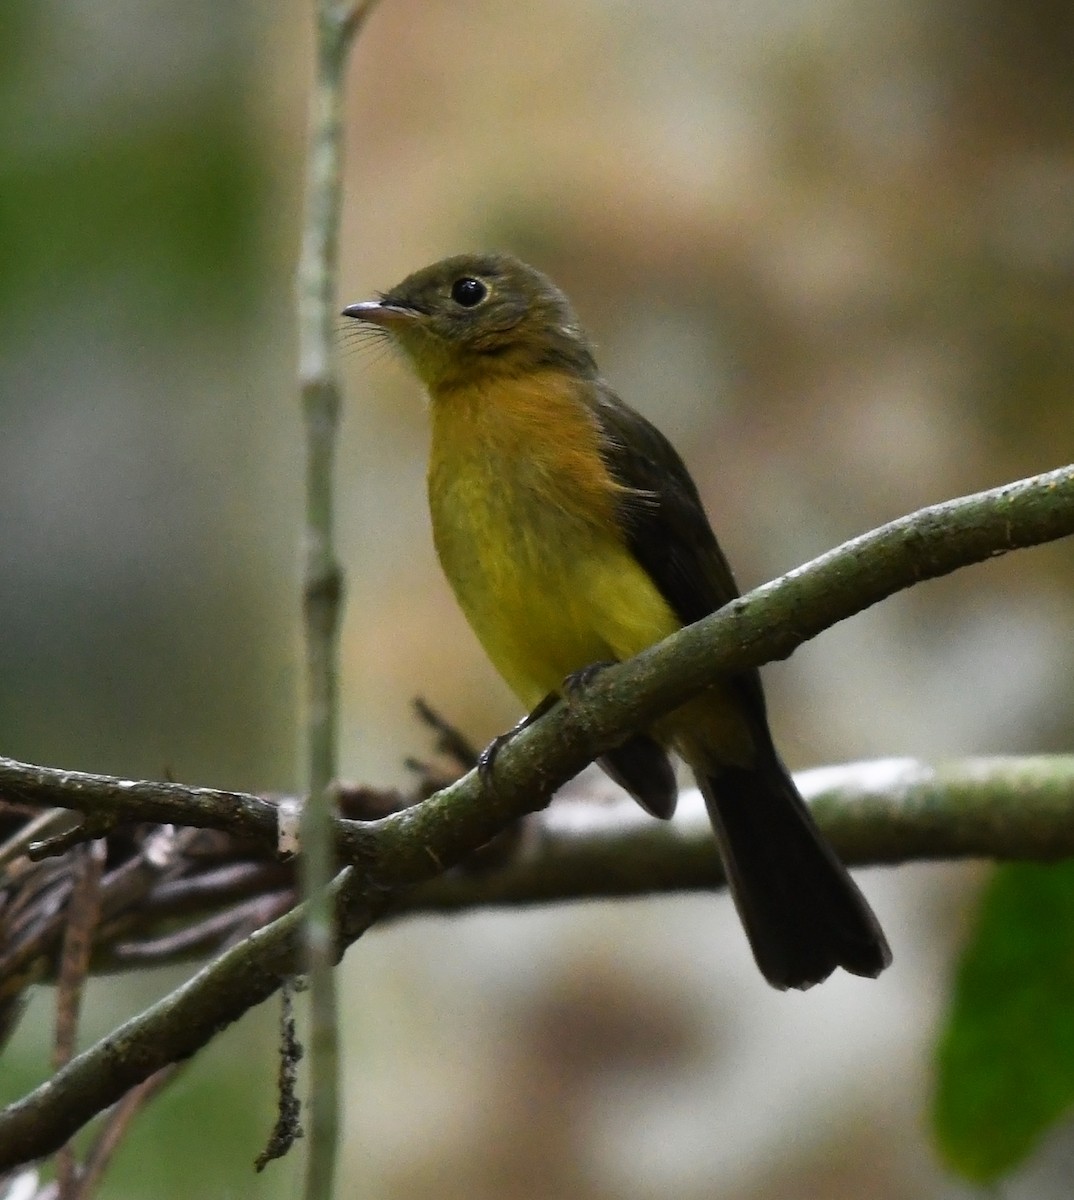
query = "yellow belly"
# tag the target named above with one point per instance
(545, 594)
(523, 515)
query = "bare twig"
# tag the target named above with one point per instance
(36, 936)
(93, 826)
(83, 912)
(208, 935)
(449, 740)
(238, 813)
(41, 827)
(115, 1128)
(336, 26)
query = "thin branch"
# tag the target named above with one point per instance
(238, 813)
(116, 1126)
(882, 812)
(207, 935)
(449, 740)
(44, 826)
(33, 923)
(169, 1031)
(336, 26)
(82, 915)
(414, 846)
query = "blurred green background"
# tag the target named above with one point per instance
(828, 247)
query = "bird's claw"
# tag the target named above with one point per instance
(486, 760)
(573, 684)
(576, 681)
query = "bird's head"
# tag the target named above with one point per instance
(476, 316)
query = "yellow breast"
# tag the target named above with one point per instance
(523, 514)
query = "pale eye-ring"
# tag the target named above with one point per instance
(468, 292)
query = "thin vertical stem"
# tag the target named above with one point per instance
(83, 912)
(323, 582)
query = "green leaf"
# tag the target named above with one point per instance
(1005, 1061)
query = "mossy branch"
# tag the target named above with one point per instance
(413, 847)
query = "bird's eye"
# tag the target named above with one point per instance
(468, 292)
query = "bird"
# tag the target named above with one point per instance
(573, 536)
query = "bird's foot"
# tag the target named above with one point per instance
(577, 681)
(572, 685)
(486, 760)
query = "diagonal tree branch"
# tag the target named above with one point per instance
(766, 624)
(875, 812)
(592, 843)
(414, 846)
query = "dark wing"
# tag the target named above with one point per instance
(665, 522)
(667, 529)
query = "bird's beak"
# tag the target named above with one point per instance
(375, 312)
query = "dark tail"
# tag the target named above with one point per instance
(803, 914)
